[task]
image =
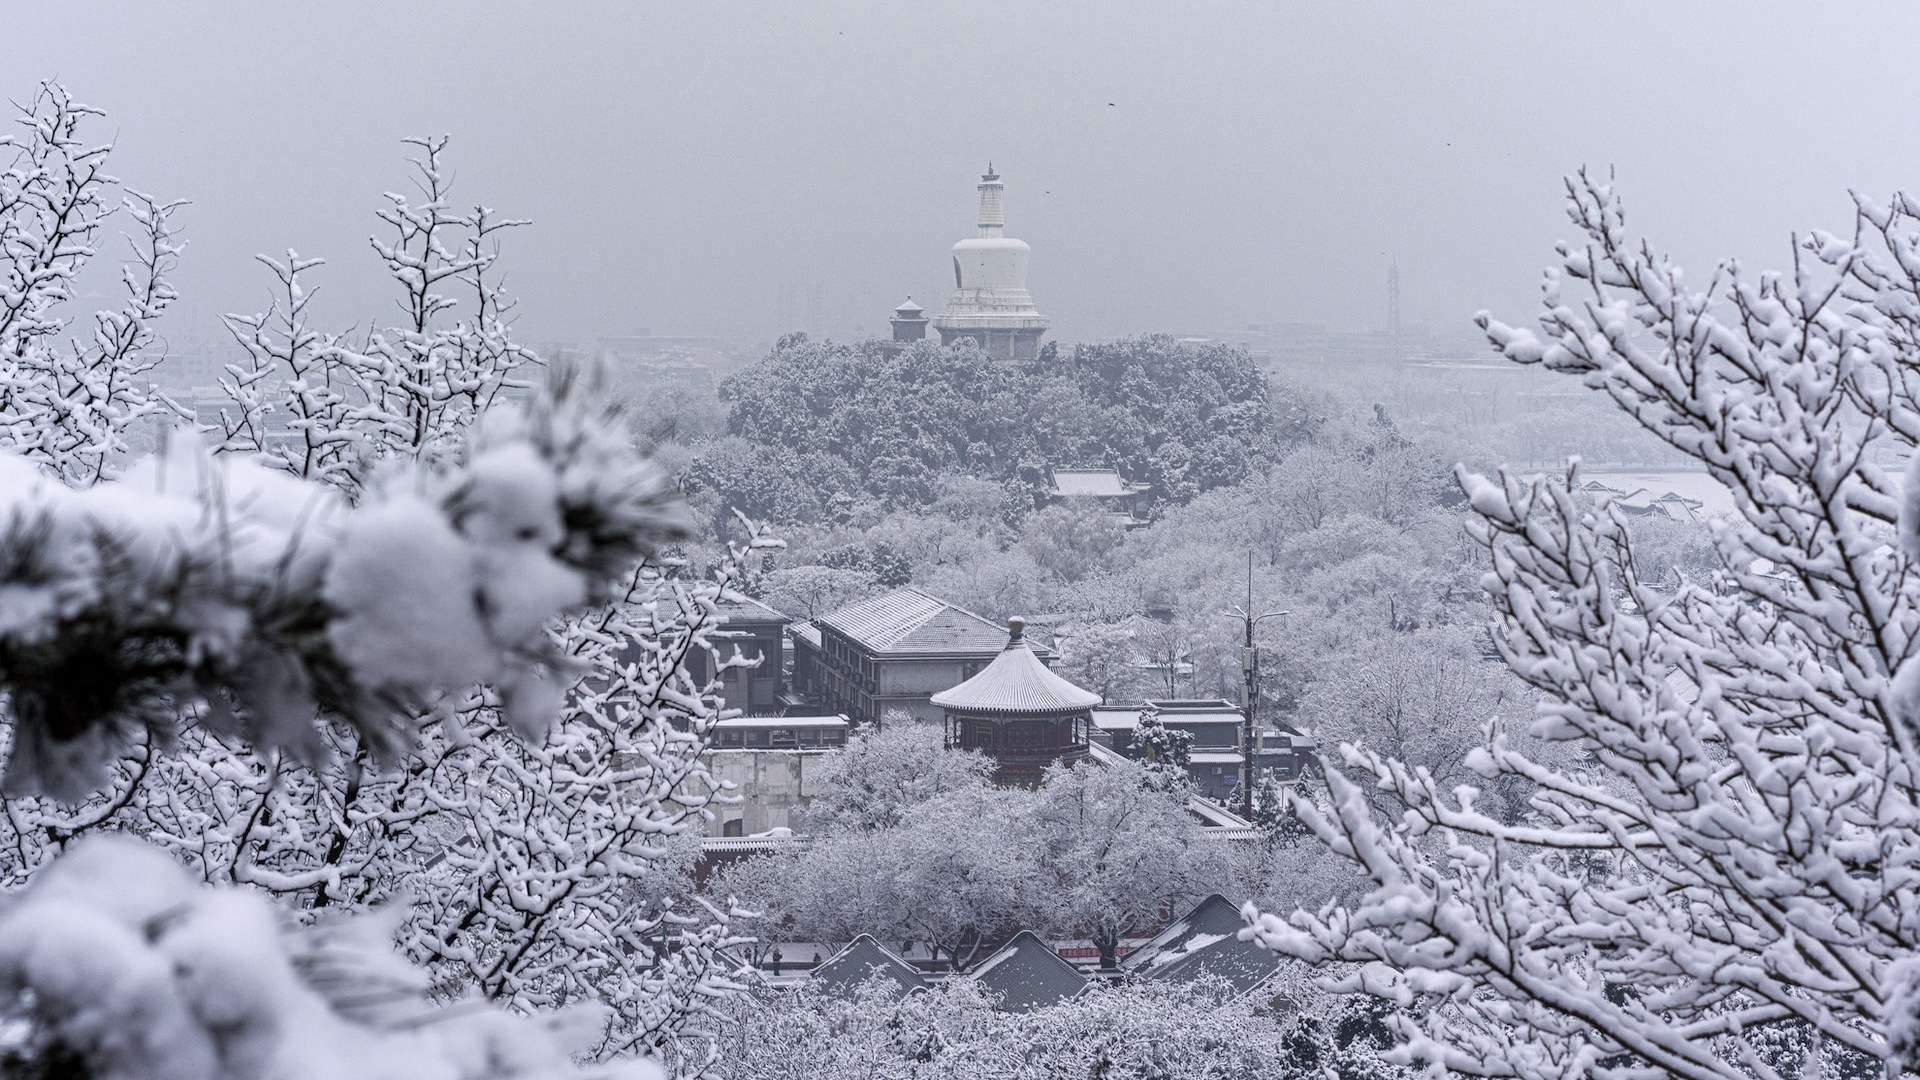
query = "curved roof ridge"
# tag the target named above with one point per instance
(1016, 682)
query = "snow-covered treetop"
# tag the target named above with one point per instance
(66, 398)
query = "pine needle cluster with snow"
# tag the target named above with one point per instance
(263, 597)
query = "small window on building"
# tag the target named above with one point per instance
(736, 827)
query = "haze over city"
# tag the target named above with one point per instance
(1175, 166)
(962, 539)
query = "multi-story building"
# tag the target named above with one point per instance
(894, 651)
(757, 631)
(768, 764)
(1216, 754)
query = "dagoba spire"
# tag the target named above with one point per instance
(993, 219)
(990, 303)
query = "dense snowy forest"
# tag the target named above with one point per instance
(367, 721)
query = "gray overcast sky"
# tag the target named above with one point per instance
(1175, 166)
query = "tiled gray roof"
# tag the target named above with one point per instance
(907, 621)
(1213, 915)
(863, 959)
(1206, 944)
(1026, 974)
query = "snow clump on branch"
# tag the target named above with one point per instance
(263, 598)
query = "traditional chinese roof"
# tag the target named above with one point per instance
(733, 607)
(1177, 714)
(834, 722)
(863, 959)
(1096, 483)
(1206, 944)
(1026, 974)
(1208, 920)
(908, 622)
(1015, 683)
(805, 631)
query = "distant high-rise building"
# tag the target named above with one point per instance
(1393, 309)
(990, 302)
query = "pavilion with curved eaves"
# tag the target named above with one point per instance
(1019, 713)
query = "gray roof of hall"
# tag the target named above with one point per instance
(1204, 944)
(907, 622)
(1099, 483)
(865, 958)
(1027, 974)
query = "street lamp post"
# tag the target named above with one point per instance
(1249, 671)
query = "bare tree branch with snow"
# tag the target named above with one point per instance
(1730, 856)
(67, 396)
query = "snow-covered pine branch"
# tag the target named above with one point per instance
(264, 598)
(1162, 751)
(1731, 855)
(115, 964)
(66, 398)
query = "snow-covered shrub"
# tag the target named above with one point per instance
(319, 406)
(1731, 847)
(1133, 1029)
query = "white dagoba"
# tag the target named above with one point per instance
(990, 302)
